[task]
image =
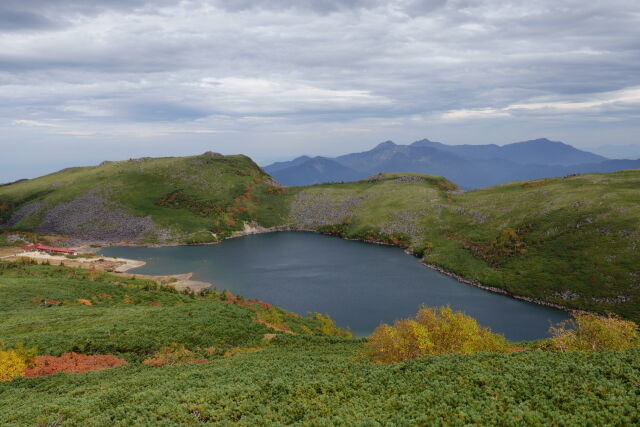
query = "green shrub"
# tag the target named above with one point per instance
(590, 332)
(434, 331)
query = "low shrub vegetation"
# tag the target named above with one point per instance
(173, 354)
(314, 375)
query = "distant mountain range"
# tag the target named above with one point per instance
(628, 151)
(469, 166)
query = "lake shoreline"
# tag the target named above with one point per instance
(501, 291)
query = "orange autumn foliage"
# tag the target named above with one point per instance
(72, 363)
(85, 302)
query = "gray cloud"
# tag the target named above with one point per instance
(412, 7)
(282, 77)
(14, 20)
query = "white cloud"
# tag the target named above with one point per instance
(482, 113)
(625, 99)
(34, 123)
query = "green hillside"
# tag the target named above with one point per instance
(248, 379)
(573, 241)
(185, 199)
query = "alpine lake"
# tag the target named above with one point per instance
(360, 285)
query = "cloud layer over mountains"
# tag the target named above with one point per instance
(96, 80)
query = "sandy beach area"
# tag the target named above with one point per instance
(117, 266)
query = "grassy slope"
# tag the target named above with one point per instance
(294, 379)
(215, 193)
(579, 234)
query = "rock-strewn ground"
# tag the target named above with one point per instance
(405, 222)
(93, 217)
(24, 212)
(309, 211)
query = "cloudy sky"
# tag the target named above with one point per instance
(83, 81)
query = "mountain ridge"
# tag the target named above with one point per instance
(471, 166)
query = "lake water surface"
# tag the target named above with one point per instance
(360, 285)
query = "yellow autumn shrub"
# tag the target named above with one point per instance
(11, 365)
(434, 331)
(328, 327)
(590, 332)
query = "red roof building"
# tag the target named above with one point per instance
(50, 250)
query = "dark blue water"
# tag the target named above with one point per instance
(360, 285)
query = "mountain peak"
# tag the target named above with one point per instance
(425, 143)
(303, 158)
(386, 144)
(540, 141)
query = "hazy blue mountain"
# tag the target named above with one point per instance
(629, 151)
(274, 167)
(314, 171)
(470, 166)
(537, 151)
(603, 167)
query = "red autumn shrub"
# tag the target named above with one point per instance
(50, 302)
(154, 304)
(72, 363)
